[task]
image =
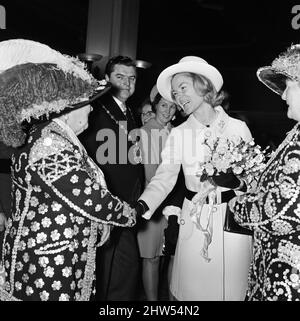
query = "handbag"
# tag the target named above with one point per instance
(230, 225)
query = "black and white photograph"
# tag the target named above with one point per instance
(149, 154)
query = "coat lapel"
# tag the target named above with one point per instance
(111, 105)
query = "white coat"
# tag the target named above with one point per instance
(224, 277)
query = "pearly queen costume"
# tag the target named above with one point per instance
(203, 270)
(60, 200)
(274, 214)
(273, 210)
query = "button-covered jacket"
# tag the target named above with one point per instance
(273, 212)
(59, 208)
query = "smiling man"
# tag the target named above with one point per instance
(119, 159)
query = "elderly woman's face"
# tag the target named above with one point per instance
(78, 119)
(184, 92)
(292, 97)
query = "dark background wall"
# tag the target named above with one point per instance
(61, 24)
(235, 36)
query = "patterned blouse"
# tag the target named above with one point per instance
(60, 203)
(273, 212)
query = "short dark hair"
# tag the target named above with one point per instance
(118, 60)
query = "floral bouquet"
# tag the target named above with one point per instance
(234, 155)
(244, 159)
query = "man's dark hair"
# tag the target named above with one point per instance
(118, 60)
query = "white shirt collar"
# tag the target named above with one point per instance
(120, 104)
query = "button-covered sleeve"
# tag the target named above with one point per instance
(58, 166)
(274, 206)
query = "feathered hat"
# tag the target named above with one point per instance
(286, 66)
(37, 81)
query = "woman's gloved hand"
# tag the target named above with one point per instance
(140, 207)
(229, 180)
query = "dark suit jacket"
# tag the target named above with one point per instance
(117, 261)
(104, 140)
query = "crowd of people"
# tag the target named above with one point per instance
(98, 203)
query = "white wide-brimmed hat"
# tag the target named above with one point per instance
(190, 64)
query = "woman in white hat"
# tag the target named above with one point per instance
(60, 203)
(273, 211)
(209, 264)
